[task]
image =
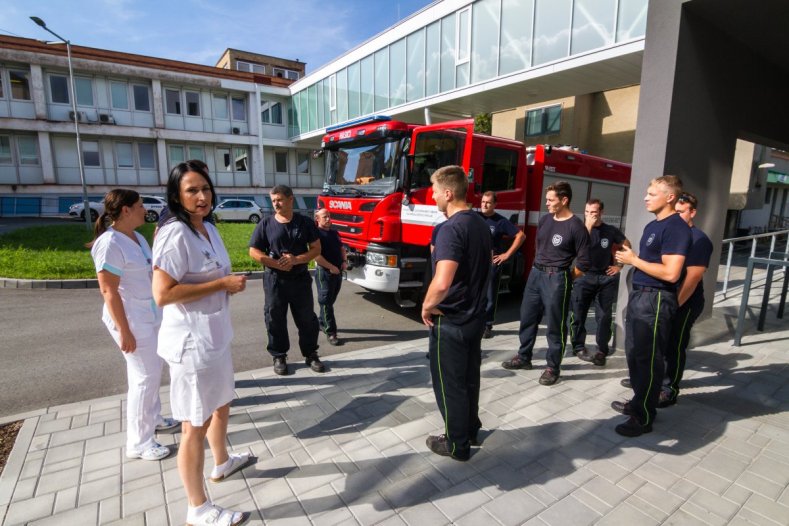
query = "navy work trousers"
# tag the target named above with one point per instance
(455, 361)
(600, 289)
(328, 286)
(677, 350)
(648, 324)
(493, 294)
(549, 293)
(283, 291)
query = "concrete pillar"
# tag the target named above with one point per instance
(47, 161)
(158, 103)
(164, 167)
(38, 92)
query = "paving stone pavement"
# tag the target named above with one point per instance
(348, 446)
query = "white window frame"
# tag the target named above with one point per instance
(288, 74)
(110, 83)
(92, 91)
(458, 59)
(220, 160)
(5, 78)
(270, 108)
(543, 130)
(49, 89)
(252, 66)
(178, 102)
(280, 152)
(170, 157)
(22, 158)
(10, 151)
(117, 155)
(333, 92)
(10, 86)
(186, 104)
(243, 100)
(134, 96)
(153, 156)
(309, 162)
(226, 99)
(98, 153)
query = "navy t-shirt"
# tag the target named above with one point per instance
(464, 238)
(560, 242)
(331, 246)
(668, 236)
(294, 237)
(602, 240)
(499, 226)
(699, 256)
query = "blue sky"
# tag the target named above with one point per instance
(313, 31)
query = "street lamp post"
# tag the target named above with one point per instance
(86, 206)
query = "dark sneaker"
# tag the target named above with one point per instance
(599, 359)
(488, 334)
(548, 377)
(516, 362)
(633, 428)
(583, 354)
(666, 400)
(621, 407)
(440, 446)
(280, 366)
(333, 340)
(315, 363)
(625, 382)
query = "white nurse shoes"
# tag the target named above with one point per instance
(167, 423)
(155, 452)
(213, 515)
(235, 462)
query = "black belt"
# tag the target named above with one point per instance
(545, 268)
(643, 288)
(289, 275)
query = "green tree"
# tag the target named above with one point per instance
(483, 123)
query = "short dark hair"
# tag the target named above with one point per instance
(687, 197)
(491, 194)
(283, 189)
(174, 206)
(561, 189)
(452, 177)
(595, 201)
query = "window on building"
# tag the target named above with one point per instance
(142, 100)
(119, 93)
(124, 153)
(281, 162)
(146, 151)
(196, 152)
(20, 84)
(28, 149)
(249, 66)
(220, 106)
(333, 92)
(90, 153)
(84, 89)
(192, 103)
(241, 158)
(223, 159)
(303, 162)
(58, 89)
(270, 112)
(239, 109)
(463, 35)
(768, 195)
(2, 92)
(544, 121)
(500, 169)
(5, 150)
(172, 101)
(176, 154)
(286, 73)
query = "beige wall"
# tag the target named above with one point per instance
(601, 123)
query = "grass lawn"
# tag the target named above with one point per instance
(58, 252)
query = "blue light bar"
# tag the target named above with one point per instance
(356, 122)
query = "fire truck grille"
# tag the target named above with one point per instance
(346, 218)
(348, 229)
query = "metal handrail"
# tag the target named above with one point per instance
(753, 238)
(771, 264)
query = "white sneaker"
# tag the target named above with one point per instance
(167, 423)
(235, 462)
(215, 516)
(155, 452)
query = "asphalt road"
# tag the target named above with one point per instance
(54, 348)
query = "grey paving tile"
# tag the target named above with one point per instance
(513, 507)
(72, 517)
(459, 500)
(569, 511)
(422, 514)
(23, 511)
(140, 500)
(77, 435)
(99, 490)
(65, 499)
(626, 513)
(58, 480)
(767, 508)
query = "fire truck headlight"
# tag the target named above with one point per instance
(381, 260)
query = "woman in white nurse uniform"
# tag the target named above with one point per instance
(122, 259)
(192, 281)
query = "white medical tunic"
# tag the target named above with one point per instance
(195, 336)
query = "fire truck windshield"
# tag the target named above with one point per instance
(370, 168)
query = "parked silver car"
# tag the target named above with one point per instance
(238, 210)
(78, 210)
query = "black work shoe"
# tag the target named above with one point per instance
(621, 407)
(440, 446)
(516, 362)
(488, 334)
(599, 359)
(315, 363)
(666, 400)
(280, 366)
(583, 354)
(333, 340)
(633, 428)
(625, 382)
(548, 377)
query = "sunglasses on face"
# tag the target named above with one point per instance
(685, 198)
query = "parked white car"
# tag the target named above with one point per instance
(153, 207)
(238, 210)
(77, 210)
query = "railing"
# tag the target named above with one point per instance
(775, 260)
(754, 239)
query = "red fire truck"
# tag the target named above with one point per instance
(377, 189)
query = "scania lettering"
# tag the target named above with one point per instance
(378, 188)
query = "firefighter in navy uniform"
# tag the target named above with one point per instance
(453, 310)
(690, 299)
(500, 227)
(599, 284)
(561, 238)
(285, 243)
(328, 273)
(652, 304)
